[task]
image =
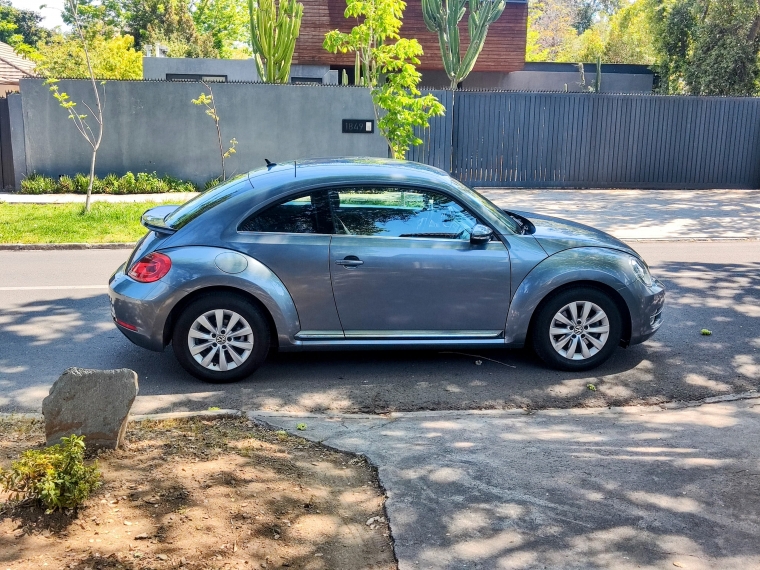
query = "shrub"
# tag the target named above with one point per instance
(37, 184)
(56, 476)
(142, 183)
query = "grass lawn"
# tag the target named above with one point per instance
(64, 223)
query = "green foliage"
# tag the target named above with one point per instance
(226, 21)
(708, 47)
(443, 17)
(21, 29)
(57, 476)
(273, 36)
(386, 64)
(143, 183)
(618, 32)
(112, 57)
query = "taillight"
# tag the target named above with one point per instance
(151, 268)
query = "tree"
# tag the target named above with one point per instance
(225, 20)
(111, 57)
(707, 47)
(21, 28)
(273, 37)
(443, 17)
(168, 22)
(550, 25)
(208, 102)
(80, 120)
(388, 69)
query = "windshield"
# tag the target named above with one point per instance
(204, 202)
(497, 212)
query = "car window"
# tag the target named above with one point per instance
(399, 212)
(206, 201)
(309, 214)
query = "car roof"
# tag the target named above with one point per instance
(316, 171)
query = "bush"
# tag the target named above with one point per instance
(36, 184)
(57, 476)
(142, 183)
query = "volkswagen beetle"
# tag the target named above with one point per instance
(371, 253)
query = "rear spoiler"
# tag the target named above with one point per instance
(153, 219)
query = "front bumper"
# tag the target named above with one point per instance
(646, 304)
(143, 306)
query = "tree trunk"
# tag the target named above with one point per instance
(92, 179)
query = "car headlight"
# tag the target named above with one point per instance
(642, 271)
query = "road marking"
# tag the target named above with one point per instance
(53, 287)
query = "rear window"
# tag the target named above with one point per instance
(204, 202)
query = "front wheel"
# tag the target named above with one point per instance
(577, 329)
(221, 338)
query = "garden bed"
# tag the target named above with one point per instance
(205, 494)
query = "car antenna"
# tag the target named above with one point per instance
(270, 164)
(295, 169)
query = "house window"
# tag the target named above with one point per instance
(196, 77)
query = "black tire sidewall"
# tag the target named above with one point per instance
(249, 311)
(540, 330)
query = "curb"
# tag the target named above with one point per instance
(216, 414)
(259, 416)
(63, 246)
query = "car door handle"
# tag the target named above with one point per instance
(350, 262)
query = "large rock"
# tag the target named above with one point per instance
(93, 403)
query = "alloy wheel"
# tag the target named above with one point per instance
(220, 340)
(579, 330)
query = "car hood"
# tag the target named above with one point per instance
(556, 234)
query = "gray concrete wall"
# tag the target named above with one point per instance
(545, 81)
(234, 69)
(556, 81)
(153, 126)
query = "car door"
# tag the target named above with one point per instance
(402, 265)
(292, 238)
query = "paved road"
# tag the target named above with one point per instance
(54, 314)
(618, 489)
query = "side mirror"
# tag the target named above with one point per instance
(480, 235)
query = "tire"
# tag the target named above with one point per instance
(599, 333)
(219, 357)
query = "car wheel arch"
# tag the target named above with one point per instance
(213, 290)
(611, 292)
(596, 267)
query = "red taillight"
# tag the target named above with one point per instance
(151, 268)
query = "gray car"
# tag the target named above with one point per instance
(369, 253)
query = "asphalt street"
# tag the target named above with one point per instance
(54, 314)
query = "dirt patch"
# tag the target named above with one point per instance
(200, 494)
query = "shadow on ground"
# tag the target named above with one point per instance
(625, 488)
(41, 338)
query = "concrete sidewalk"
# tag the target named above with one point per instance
(630, 215)
(619, 488)
(633, 215)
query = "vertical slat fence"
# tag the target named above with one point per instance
(583, 140)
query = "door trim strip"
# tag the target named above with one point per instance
(400, 335)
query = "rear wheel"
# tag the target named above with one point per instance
(221, 338)
(577, 329)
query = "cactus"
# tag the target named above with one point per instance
(344, 78)
(443, 17)
(273, 37)
(598, 80)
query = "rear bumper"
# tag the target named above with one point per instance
(144, 307)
